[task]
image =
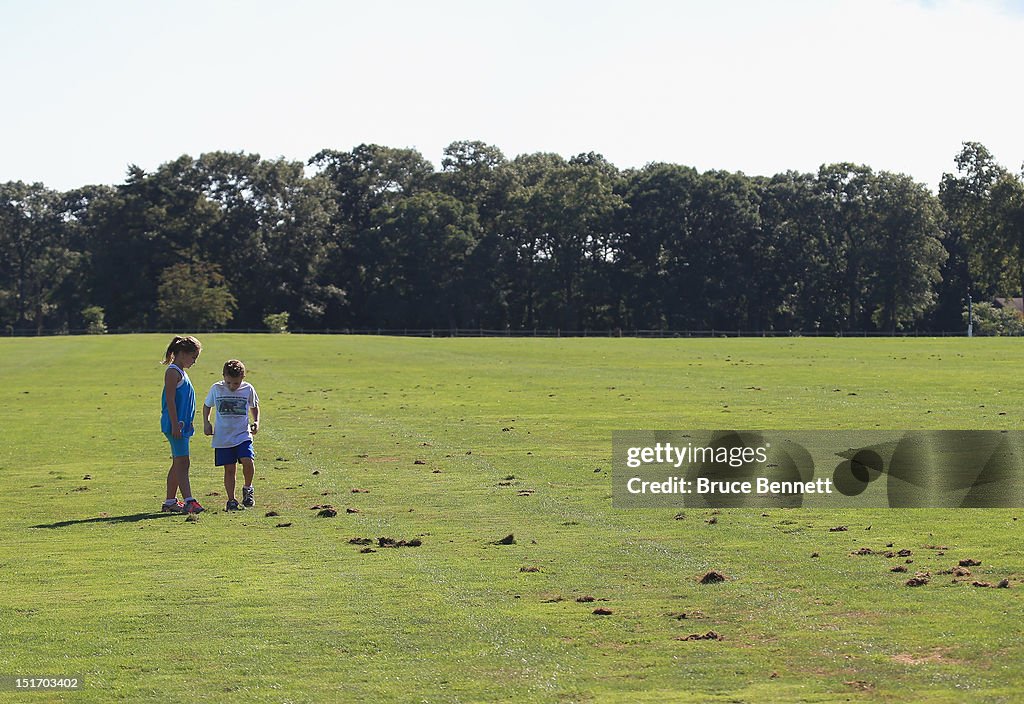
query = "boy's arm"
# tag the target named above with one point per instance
(211, 399)
(255, 427)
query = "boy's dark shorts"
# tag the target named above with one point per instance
(231, 455)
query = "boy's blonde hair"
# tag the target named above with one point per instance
(180, 343)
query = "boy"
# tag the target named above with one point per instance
(234, 398)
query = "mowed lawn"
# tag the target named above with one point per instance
(459, 443)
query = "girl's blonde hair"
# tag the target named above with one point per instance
(182, 344)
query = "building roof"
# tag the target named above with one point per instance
(1016, 304)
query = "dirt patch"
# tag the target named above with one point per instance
(838, 529)
(509, 539)
(392, 543)
(283, 525)
(936, 656)
(530, 568)
(919, 580)
(960, 572)
(602, 611)
(327, 513)
(970, 562)
(361, 541)
(585, 599)
(687, 615)
(712, 577)
(271, 514)
(352, 510)
(863, 551)
(710, 635)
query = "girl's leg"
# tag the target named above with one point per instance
(172, 483)
(180, 468)
(229, 480)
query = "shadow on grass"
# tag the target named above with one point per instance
(133, 518)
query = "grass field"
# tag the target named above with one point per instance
(459, 443)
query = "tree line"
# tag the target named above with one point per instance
(377, 237)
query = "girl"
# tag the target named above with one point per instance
(178, 403)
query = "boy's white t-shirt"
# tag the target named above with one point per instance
(231, 421)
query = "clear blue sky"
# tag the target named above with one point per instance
(753, 86)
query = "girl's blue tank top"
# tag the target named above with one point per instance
(184, 402)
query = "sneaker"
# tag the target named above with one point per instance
(248, 497)
(176, 507)
(232, 505)
(193, 506)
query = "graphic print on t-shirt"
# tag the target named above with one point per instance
(231, 425)
(231, 406)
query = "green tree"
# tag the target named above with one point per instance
(657, 282)
(562, 225)
(194, 295)
(521, 265)
(990, 319)
(37, 260)
(473, 172)
(1008, 214)
(908, 263)
(846, 191)
(704, 229)
(272, 235)
(151, 222)
(94, 322)
(985, 206)
(801, 275)
(364, 184)
(425, 242)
